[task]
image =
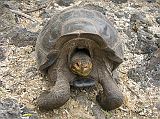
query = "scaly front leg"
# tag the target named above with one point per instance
(111, 97)
(59, 94)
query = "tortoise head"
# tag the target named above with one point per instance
(81, 64)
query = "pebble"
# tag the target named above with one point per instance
(119, 1)
(158, 20)
(64, 2)
(158, 106)
(150, 1)
(1, 83)
(119, 14)
(2, 55)
(158, 42)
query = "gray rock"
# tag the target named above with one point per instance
(98, 112)
(1, 83)
(158, 42)
(119, 14)
(31, 72)
(158, 1)
(95, 7)
(135, 74)
(158, 106)
(7, 18)
(154, 68)
(10, 109)
(142, 43)
(157, 35)
(145, 47)
(2, 54)
(64, 2)
(119, 1)
(158, 20)
(22, 37)
(140, 17)
(150, 1)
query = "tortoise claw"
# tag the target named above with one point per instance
(53, 99)
(109, 102)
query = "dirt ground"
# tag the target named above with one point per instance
(138, 26)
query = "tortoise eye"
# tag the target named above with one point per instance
(78, 64)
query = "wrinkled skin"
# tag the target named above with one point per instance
(59, 94)
(111, 97)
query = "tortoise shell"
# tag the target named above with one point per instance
(77, 23)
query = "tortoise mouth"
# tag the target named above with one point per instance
(83, 82)
(81, 68)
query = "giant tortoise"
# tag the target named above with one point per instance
(79, 47)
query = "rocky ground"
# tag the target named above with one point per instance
(138, 25)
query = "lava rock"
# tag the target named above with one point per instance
(7, 18)
(158, 1)
(157, 36)
(97, 112)
(96, 7)
(119, 14)
(142, 43)
(138, 20)
(64, 2)
(10, 109)
(154, 68)
(2, 54)
(25, 112)
(135, 74)
(145, 45)
(158, 42)
(140, 16)
(119, 1)
(158, 106)
(154, 60)
(1, 83)
(31, 72)
(21, 37)
(150, 1)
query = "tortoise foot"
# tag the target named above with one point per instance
(50, 100)
(41, 103)
(109, 102)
